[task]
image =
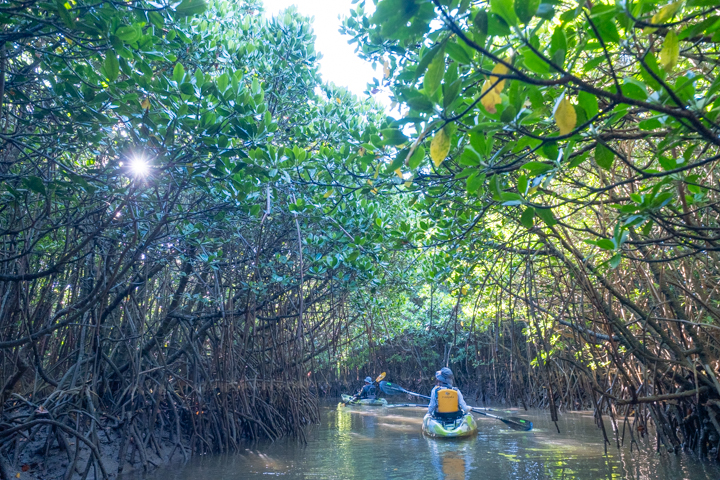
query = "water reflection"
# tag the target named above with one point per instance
(367, 444)
(452, 459)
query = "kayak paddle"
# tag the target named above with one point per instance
(392, 389)
(379, 378)
(396, 405)
(515, 423)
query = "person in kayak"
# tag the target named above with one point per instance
(367, 391)
(446, 401)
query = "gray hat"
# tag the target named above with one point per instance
(444, 375)
(368, 380)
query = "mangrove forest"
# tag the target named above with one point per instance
(203, 242)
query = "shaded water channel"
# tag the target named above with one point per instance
(379, 443)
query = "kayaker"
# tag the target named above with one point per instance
(367, 391)
(446, 401)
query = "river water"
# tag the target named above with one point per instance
(371, 443)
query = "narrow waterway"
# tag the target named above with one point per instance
(380, 443)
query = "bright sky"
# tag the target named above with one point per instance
(339, 64)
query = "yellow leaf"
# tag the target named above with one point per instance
(500, 69)
(670, 52)
(338, 100)
(145, 103)
(565, 117)
(662, 15)
(386, 68)
(408, 184)
(439, 147)
(399, 173)
(369, 182)
(377, 171)
(490, 97)
(328, 193)
(17, 475)
(374, 190)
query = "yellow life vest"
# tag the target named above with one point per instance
(447, 400)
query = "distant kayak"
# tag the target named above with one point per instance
(370, 402)
(462, 427)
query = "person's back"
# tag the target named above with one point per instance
(446, 401)
(368, 390)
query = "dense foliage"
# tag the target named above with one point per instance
(165, 268)
(560, 160)
(197, 231)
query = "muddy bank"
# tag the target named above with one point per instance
(50, 450)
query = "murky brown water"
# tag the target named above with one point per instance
(376, 443)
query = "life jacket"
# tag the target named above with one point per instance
(447, 399)
(448, 404)
(368, 391)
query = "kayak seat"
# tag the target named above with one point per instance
(448, 417)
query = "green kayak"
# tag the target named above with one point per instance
(372, 402)
(462, 427)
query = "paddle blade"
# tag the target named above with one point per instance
(517, 423)
(390, 388)
(380, 377)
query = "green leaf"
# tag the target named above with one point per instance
(497, 26)
(35, 184)
(589, 103)
(393, 136)
(653, 70)
(615, 260)
(425, 60)
(631, 88)
(420, 103)
(607, 29)
(522, 185)
(480, 22)
(434, 74)
(111, 66)
(474, 182)
(222, 82)
(534, 63)
(417, 157)
(546, 215)
(527, 218)
(457, 53)
(187, 88)
(62, 8)
(450, 92)
(525, 10)
(604, 156)
(558, 46)
(605, 244)
(506, 9)
(190, 7)
(670, 52)
(537, 168)
(178, 72)
(127, 34)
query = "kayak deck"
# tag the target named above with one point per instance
(370, 402)
(465, 426)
